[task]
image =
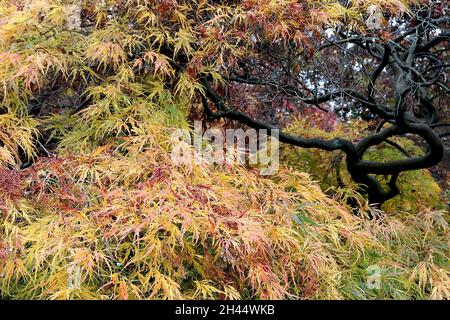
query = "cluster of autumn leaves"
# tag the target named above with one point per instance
(106, 214)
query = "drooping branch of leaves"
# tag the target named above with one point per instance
(410, 72)
(139, 52)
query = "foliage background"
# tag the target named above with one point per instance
(104, 214)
